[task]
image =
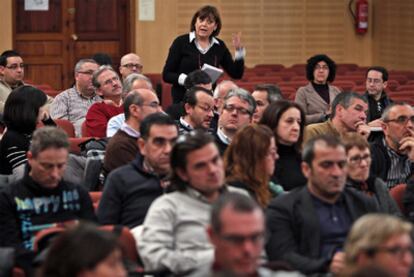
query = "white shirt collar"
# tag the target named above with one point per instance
(192, 37)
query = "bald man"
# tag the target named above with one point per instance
(130, 63)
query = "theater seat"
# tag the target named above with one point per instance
(397, 193)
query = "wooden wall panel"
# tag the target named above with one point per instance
(283, 31)
(6, 41)
(53, 76)
(394, 34)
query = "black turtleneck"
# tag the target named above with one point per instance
(323, 91)
(288, 171)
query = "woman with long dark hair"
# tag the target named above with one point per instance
(287, 121)
(23, 110)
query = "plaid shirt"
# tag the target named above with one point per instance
(71, 105)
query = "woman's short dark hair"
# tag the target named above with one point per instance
(313, 61)
(204, 12)
(272, 114)
(78, 249)
(22, 108)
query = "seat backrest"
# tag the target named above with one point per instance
(397, 193)
(126, 240)
(42, 238)
(67, 126)
(84, 130)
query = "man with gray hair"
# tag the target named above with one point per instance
(109, 87)
(122, 147)
(41, 199)
(349, 114)
(237, 111)
(73, 103)
(132, 82)
(264, 94)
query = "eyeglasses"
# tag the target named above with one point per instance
(239, 239)
(112, 80)
(358, 159)
(132, 65)
(375, 81)
(323, 67)
(402, 120)
(15, 66)
(240, 110)
(89, 72)
(395, 251)
(162, 142)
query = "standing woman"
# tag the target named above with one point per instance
(190, 51)
(287, 120)
(316, 97)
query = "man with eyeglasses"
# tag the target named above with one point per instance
(308, 226)
(380, 241)
(349, 114)
(393, 155)
(237, 231)
(122, 147)
(108, 85)
(238, 108)
(130, 63)
(41, 199)
(11, 74)
(73, 103)
(359, 162)
(173, 236)
(199, 110)
(376, 82)
(130, 189)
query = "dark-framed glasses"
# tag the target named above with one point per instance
(402, 120)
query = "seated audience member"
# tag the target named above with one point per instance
(73, 103)
(134, 81)
(130, 63)
(250, 161)
(287, 120)
(129, 190)
(393, 155)
(238, 109)
(220, 92)
(24, 109)
(173, 234)
(376, 82)
(237, 232)
(308, 225)
(102, 59)
(315, 97)
(84, 251)
(122, 147)
(198, 110)
(11, 73)
(109, 87)
(359, 162)
(381, 241)
(264, 95)
(196, 78)
(42, 199)
(348, 115)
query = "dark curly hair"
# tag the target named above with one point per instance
(207, 11)
(313, 61)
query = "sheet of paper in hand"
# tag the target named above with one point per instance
(212, 71)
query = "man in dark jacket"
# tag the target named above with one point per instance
(309, 225)
(130, 189)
